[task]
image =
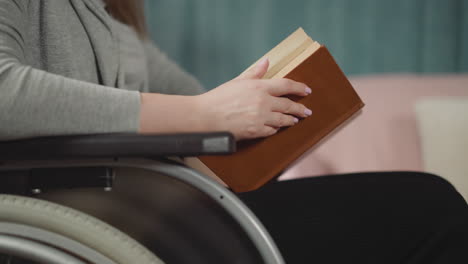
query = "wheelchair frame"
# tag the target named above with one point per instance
(112, 151)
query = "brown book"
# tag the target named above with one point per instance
(333, 101)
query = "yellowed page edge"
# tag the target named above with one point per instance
(297, 60)
(285, 52)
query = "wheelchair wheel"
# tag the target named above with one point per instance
(37, 231)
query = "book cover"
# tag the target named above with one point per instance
(333, 101)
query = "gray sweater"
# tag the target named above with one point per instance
(60, 71)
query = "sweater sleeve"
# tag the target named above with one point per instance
(38, 103)
(167, 77)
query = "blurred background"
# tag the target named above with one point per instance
(407, 59)
(216, 39)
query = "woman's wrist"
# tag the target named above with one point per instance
(172, 114)
(205, 114)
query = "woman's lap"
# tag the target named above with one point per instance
(400, 217)
(356, 218)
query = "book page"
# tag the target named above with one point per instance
(285, 52)
(297, 60)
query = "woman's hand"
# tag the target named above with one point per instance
(247, 106)
(250, 107)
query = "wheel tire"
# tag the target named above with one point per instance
(77, 226)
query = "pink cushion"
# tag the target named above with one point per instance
(385, 135)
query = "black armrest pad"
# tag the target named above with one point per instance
(118, 145)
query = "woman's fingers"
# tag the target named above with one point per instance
(269, 131)
(255, 72)
(277, 120)
(251, 107)
(280, 87)
(286, 106)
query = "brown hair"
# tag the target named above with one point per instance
(129, 12)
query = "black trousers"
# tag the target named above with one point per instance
(397, 217)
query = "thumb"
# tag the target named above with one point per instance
(255, 72)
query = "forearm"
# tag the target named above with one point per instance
(161, 113)
(36, 103)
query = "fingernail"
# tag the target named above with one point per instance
(263, 61)
(296, 120)
(308, 90)
(308, 112)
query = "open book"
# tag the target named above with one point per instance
(333, 101)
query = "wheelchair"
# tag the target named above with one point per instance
(197, 220)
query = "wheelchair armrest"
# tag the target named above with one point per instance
(118, 145)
